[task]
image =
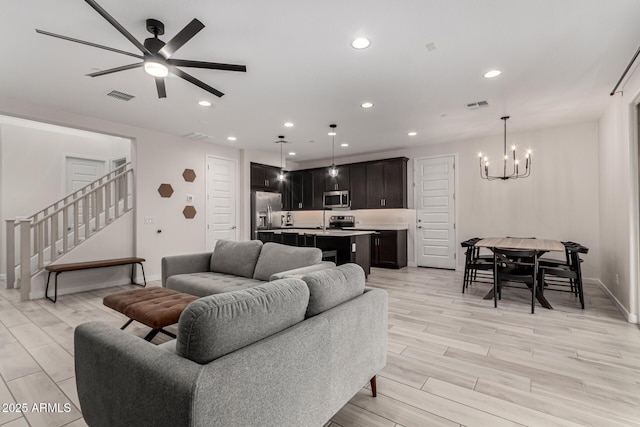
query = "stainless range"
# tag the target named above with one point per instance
(342, 221)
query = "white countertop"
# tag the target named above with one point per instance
(331, 233)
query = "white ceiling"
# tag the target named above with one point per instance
(560, 59)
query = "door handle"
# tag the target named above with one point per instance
(419, 226)
(233, 228)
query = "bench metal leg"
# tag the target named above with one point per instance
(46, 291)
(133, 275)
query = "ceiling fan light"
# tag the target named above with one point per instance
(155, 68)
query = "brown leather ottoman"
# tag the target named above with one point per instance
(155, 307)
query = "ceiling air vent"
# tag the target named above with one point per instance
(197, 136)
(478, 104)
(120, 95)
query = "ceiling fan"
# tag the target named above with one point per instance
(156, 55)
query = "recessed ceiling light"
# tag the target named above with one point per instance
(366, 105)
(288, 125)
(432, 46)
(493, 73)
(332, 134)
(412, 133)
(292, 153)
(204, 103)
(344, 144)
(231, 138)
(360, 43)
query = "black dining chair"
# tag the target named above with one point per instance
(514, 266)
(560, 276)
(474, 263)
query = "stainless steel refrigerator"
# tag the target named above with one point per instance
(265, 211)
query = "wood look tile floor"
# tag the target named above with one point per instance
(453, 359)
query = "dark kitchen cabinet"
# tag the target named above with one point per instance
(389, 249)
(375, 185)
(387, 184)
(264, 177)
(301, 188)
(318, 177)
(358, 185)
(340, 182)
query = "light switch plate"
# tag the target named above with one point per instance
(189, 198)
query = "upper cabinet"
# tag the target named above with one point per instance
(265, 177)
(387, 184)
(381, 184)
(358, 185)
(300, 185)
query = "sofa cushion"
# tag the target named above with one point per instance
(205, 284)
(216, 325)
(328, 288)
(275, 258)
(238, 258)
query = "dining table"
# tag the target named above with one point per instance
(542, 246)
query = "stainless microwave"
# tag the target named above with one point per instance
(336, 199)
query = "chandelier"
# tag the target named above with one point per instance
(333, 171)
(515, 173)
(281, 175)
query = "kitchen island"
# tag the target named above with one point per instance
(351, 245)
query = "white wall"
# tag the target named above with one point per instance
(558, 201)
(618, 168)
(157, 158)
(32, 166)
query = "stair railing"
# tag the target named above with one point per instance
(63, 225)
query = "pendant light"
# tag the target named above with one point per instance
(515, 174)
(281, 141)
(333, 171)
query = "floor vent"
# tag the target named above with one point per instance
(197, 136)
(476, 105)
(120, 95)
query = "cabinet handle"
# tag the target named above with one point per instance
(381, 202)
(336, 186)
(384, 202)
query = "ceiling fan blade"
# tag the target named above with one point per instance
(115, 70)
(190, 30)
(188, 77)
(162, 90)
(117, 26)
(46, 33)
(208, 65)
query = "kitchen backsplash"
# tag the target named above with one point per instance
(364, 217)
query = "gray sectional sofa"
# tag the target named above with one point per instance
(238, 265)
(291, 352)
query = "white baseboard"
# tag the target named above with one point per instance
(152, 278)
(631, 318)
(3, 277)
(411, 264)
(65, 290)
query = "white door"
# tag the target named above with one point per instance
(435, 212)
(221, 200)
(80, 172)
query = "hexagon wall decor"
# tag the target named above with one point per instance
(189, 212)
(189, 175)
(165, 190)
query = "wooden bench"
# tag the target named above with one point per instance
(75, 266)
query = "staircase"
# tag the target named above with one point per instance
(55, 230)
